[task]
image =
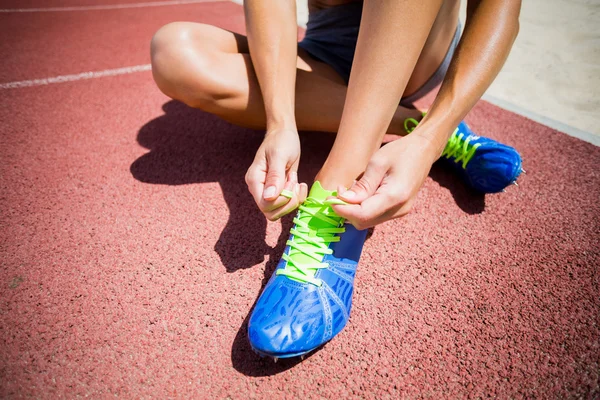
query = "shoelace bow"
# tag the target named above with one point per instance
(458, 146)
(413, 121)
(310, 241)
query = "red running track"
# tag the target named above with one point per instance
(132, 253)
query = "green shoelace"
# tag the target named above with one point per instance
(458, 146)
(316, 226)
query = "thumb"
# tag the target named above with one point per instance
(275, 178)
(365, 187)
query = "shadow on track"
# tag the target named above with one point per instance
(190, 146)
(467, 199)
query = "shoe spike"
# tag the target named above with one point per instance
(275, 359)
(302, 357)
(515, 183)
(503, 190)
(523, 171)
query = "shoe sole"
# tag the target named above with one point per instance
(276, 357)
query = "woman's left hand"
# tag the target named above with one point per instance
(389, 186)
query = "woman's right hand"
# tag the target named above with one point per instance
(275, 168)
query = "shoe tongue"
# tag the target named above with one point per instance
(319, 193)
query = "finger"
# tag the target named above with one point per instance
(398, 211)
(292, 179)
(269, 206)
(291, 205)
(290, 184)
(275, 179)
(366, 186)
(255, 178)
(300, 194)
(303, 192)
(294, 167)
(342, 189)
(287, 193)
(366, 214)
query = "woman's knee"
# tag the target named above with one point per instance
(182, 63)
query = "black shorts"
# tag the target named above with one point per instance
(331, 36)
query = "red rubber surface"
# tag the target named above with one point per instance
(60, 43)
(26, 4)
(132, 253)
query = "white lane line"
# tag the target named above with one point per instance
(76, 77)
(105, 7)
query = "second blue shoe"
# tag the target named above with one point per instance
(484, 164)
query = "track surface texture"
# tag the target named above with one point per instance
(132, 253)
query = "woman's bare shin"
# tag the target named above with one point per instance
(392, 35)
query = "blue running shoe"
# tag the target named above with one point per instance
(484, 164)
(308, 299)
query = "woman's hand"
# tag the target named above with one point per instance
(390, 183)
(275, 168)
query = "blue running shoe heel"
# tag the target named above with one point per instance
(308, 299)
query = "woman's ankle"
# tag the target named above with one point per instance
(332, 183)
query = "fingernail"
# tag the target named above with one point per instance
(297, 188)
(349, 194)
(269, 192)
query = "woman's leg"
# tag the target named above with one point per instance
(209, 68)
(436, 47)
(393, 37)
